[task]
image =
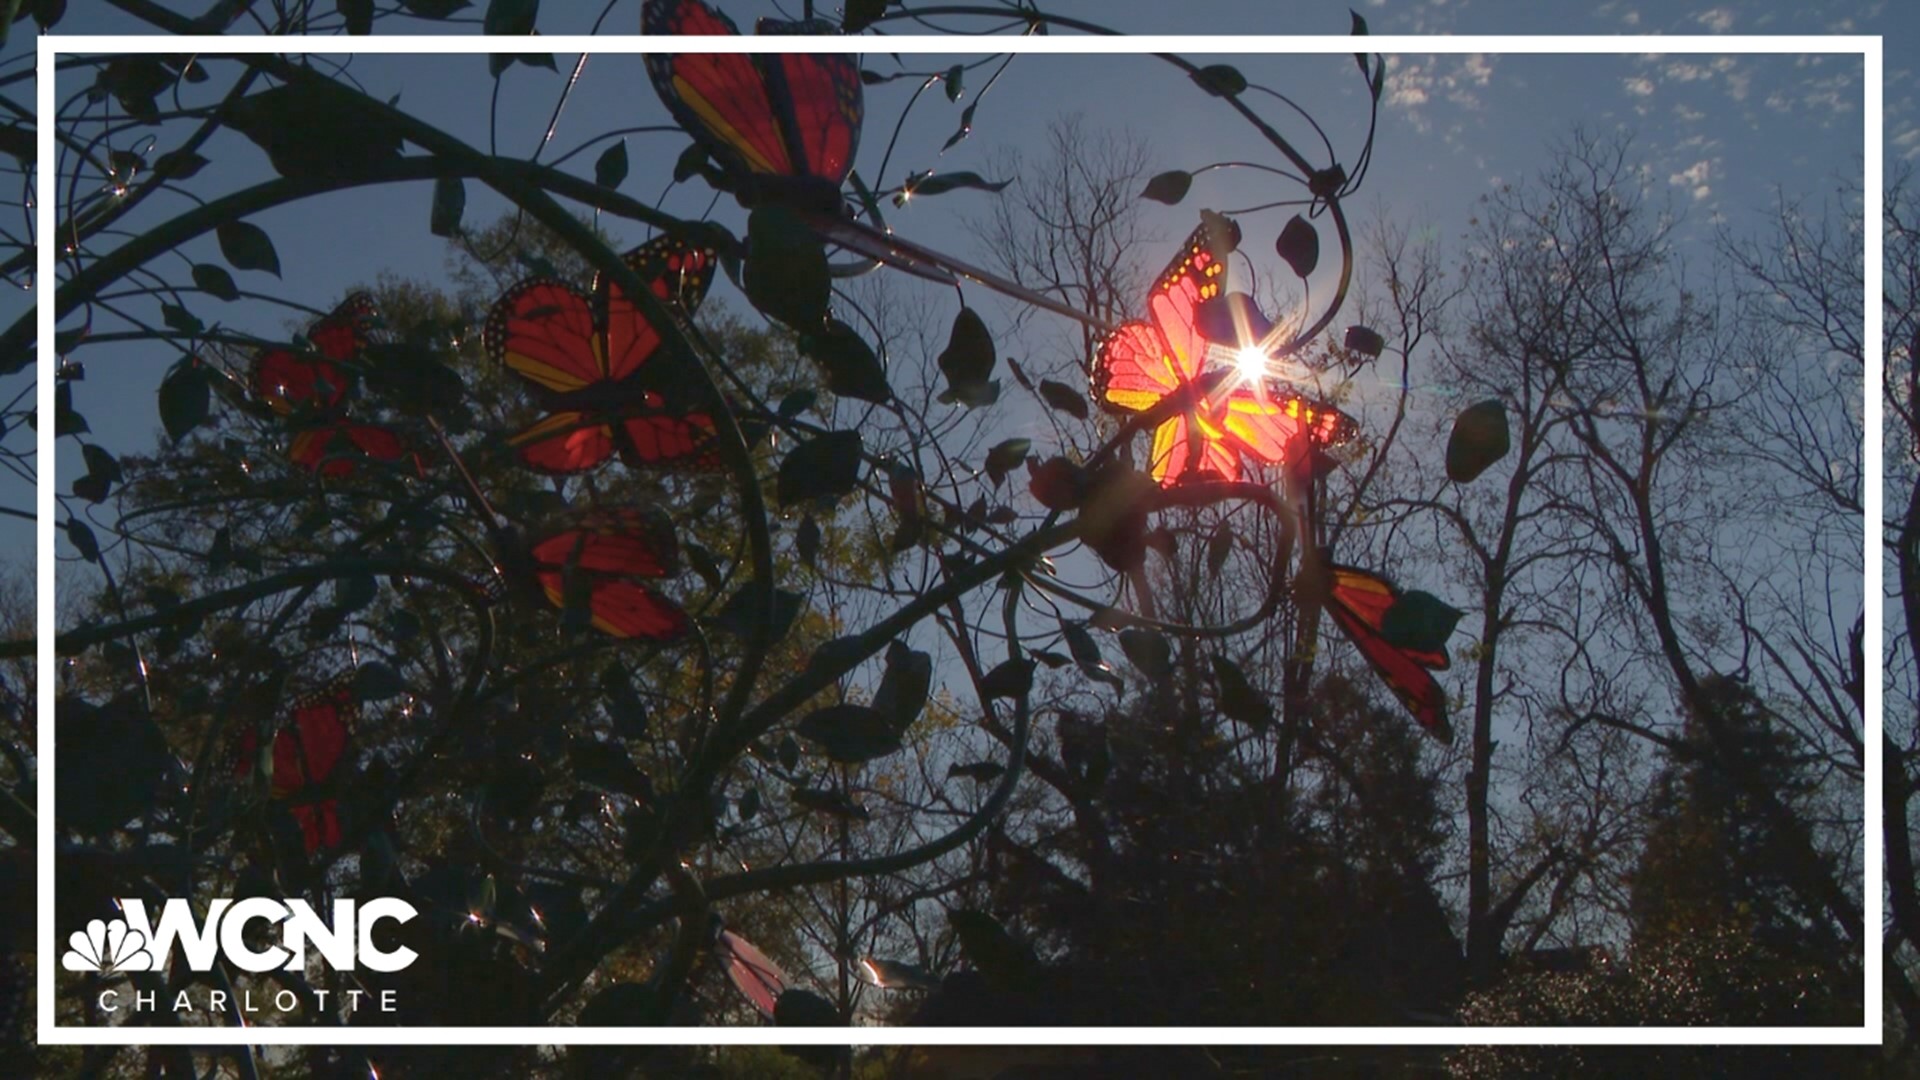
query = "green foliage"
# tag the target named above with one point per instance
(1715, 859)
(1717, 976)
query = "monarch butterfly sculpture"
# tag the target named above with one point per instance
(1359, 602)
(782, 127)
(598, 565)
(307, 751)
(588, 355)
(1224, 420)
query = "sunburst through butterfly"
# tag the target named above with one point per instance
(1145, 362)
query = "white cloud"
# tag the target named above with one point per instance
(1907, 143)
(1412, 84)
(1694, 177)
(1639, 86)
(1719, 20)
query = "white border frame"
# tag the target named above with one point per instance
(1869, 1033)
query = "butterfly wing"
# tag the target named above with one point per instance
(343, 333)
(1359, 604)
(1190, 280)
(721, 99)
(1142, 362)
(624, 542)
(319, 823)
(1134, 369)
(623, 609)
(1185, 449)
(757, 977)
(774, 114)
(331, 449)
(563, 443)
(821, 108)
(544, 331)
(306, 751)
(611, 547)
(678, 272)
(288, 381)
(672, 440)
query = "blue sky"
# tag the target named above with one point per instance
(1718, 133)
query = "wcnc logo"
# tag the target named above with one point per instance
(135, 943)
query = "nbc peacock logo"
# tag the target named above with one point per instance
(109, 948)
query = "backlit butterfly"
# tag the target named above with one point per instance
(292, 381)
(306, 752)
(602, 560)
(1359, 602)
(783, 127)
(334, 450)
(1142, 363)
(759, 978)
(585, 353)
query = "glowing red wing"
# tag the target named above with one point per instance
(563, 443)
(319, 823)
(779, 115)
(543, 330)
(759, 978)
(672, 441)
(623, 609)
(678, 272)
(684, 17)
(631, 339)
(603, 554)
(1174, 305)
(721, 99)
(1176, 443)
(1264, 428)
(823, 108)
(287, 381)
(331, 449)
(1359, 605)
(308, 748)
(307, 751)
(1134, 370)
(620, 543)
(342, 334)
(611, 547)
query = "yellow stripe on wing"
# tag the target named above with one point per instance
(720, 128)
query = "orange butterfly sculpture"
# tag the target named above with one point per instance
(1359, 602)
(604, 556)
(784, 127)
(1144, 362)
(305, 754)
(313, 386)
(587, 354)
(289, 381)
